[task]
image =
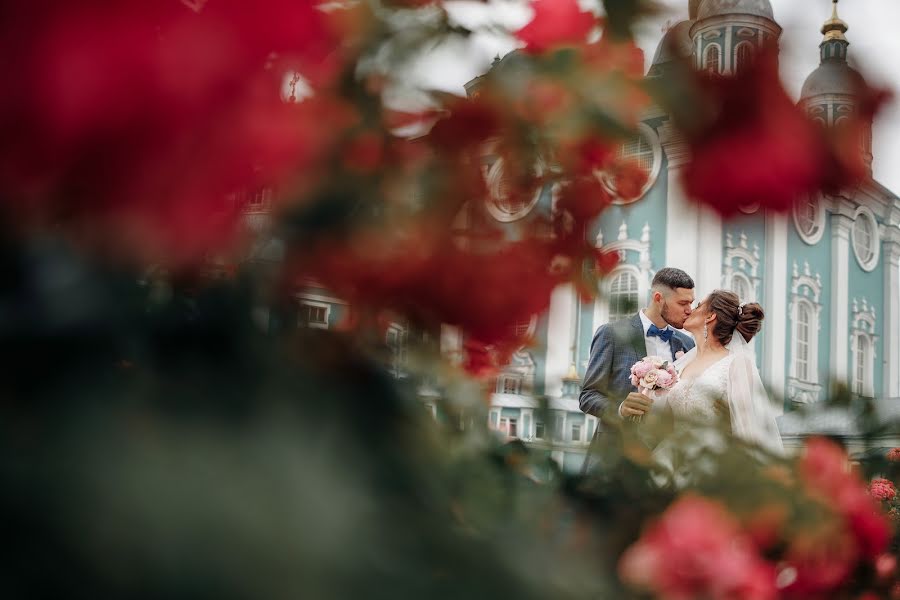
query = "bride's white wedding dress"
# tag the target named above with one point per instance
(700, 430)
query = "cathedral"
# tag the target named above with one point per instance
(827, 274)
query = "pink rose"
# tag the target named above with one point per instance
(664, 380)
(641, 369)
(882, 489)
(649, 380)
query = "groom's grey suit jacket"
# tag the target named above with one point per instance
(607, 380)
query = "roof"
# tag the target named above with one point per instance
(712, 8)
(832, 77)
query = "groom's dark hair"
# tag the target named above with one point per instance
(672, 278)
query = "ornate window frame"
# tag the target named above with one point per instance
(720, 55)
(652, 139)
(806, 290)
(750, 57)
(741, 262)
(814, 236)
(519, 372)
(399, 348)
(863, 330)
(493, 177)
(641, 270)
(866, 263)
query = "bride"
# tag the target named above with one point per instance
(719, 378)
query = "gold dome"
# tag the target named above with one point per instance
(834, 28)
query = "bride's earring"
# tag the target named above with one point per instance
(705, 331)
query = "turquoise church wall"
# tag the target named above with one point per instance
(754, 227)
(819, 258)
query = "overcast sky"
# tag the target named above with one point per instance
(874, 37)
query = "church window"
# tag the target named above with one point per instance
(623, 295)
(644, 149)
(743, 56)
(509, 384)
(865, 238)
(313, 315)
(576, 432)
(862, 356)
(711, 62)
(397, 343)
(505, 202)
(509, 426)
(539, 430)
(802, 343)
(809, 218)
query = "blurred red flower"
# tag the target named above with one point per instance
(556, 23)
(882, 489)
(893, 455)
(696, 550)
(139, 118)
(757, 145)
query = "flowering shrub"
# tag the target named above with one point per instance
(150, 412)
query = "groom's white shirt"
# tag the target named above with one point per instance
(655, 345)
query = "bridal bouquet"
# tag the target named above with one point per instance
(653, 373)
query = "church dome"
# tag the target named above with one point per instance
(713, 8)
(832, 77)
(676, 44)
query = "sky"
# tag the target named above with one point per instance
(874, 35)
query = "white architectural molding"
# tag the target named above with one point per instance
(642, 270)
(863, 328)
(806, 293)
(776, 296)
(841, 224)
(891, 369)
(682, 215)
(559, 342)
(741, 262)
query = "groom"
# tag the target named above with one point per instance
(606, 391)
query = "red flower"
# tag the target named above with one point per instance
(136, 120)
(893, 455)
(882, 489)
(696, 550)
(556, 23)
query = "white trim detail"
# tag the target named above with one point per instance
(813, 236)
(864, 212)
(642, 271)
(806, 291)
(493, 178)
(647, 133)
(863, 330)
(741, 262)
(323, 324)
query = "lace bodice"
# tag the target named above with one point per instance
(693, 399)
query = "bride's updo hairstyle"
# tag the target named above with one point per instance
(731, 316)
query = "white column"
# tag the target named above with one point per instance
(891, 330)
(709, 259)
(682, 214)
(840, 294)
(726, 50)
(559, 338)
(451, 343)
(776, 303)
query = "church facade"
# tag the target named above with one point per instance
(827, 274)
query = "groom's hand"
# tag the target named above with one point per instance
(635, 405)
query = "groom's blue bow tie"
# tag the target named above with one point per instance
(664, 334)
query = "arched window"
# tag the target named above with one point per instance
(623, 296)
(711, 63)
(743, 56)
(809, 218)
(741, 286)
(802, 342)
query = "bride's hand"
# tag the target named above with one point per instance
(636, 405)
